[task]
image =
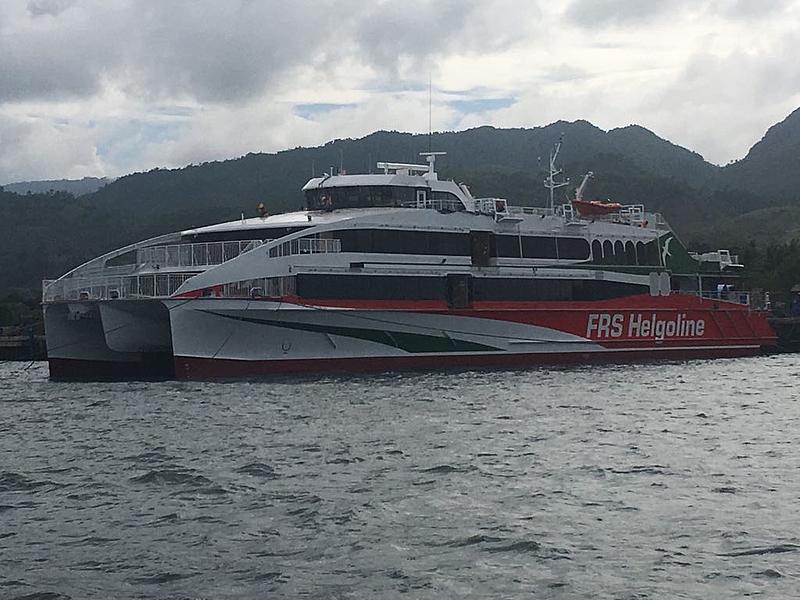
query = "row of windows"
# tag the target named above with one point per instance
(359, 197)
(533, 246)
(628, 253)
(378, 195)
(269, 287)
(392, 287)
(390, 241)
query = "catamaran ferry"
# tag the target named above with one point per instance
(400, 270)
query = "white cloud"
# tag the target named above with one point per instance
(105, 87)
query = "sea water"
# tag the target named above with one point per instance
(662, 480)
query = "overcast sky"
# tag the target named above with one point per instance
(108, 87)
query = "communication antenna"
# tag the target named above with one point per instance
(430, 112)
(550, 183)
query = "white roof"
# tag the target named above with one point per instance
(359, 180)
(292, 219)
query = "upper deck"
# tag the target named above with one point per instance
(402, 197)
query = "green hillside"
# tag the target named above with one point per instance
(44, 235)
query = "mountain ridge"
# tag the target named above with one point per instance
(76, 187)
(43, 235)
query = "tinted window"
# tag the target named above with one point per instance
(630, 253)
(573, 248)
(359, 197)
(507, 246)
(597, 251)
(393, 287)
(649, 254)
(498, 289)
(539, 247)
(371, 287)
(393, 241)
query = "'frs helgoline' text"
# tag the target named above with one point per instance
(638, 325)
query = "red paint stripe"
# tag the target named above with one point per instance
(212, 368)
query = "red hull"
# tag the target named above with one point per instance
(674, 327)
(208, 368)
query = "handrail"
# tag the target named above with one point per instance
(129, 281)
(435, 204)
(306, 246)
(199, 254)
(147, 285)
(735, 296)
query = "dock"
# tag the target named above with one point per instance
(23, 347)
(788, 330)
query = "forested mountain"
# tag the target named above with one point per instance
(76, 187)
(771, 168)
(43, 235)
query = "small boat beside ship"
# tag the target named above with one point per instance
(400, 270)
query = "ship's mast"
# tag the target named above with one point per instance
(550, 183)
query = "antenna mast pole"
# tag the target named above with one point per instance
(550, 183)
(430, 112)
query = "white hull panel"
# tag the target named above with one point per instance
(260, 330)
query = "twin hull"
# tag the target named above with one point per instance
(219, 337)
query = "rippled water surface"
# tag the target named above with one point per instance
(678, 480)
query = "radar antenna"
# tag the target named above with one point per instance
(431, 175)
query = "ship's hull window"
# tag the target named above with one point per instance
(573, 248)
(619, 253)
(360, 197)
(640, 253)
(459, 291)
(499, 289)
(507, 246)
(630, 253)
(370, 287)
(393, 241)
(608, 252)
(539, 247)
(649, 254)
(597, 251)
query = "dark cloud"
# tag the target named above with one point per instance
(38, 8)
(388, 32)
(31, 70)
(214, 51)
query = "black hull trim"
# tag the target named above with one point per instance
(152, 367)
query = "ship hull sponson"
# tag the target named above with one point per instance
(243, 338)
(89, 340)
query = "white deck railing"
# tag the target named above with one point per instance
(148, 285)
(200, 254)
(128, 281)
(306, 246)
